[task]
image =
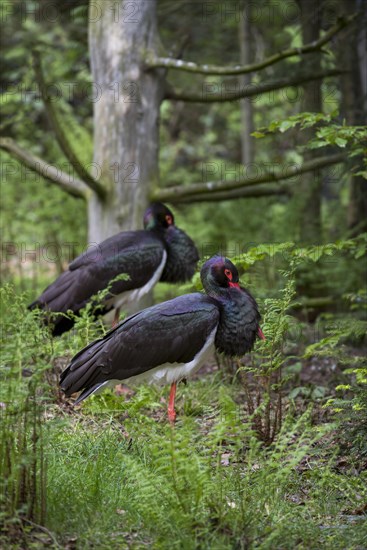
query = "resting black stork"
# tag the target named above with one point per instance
(159, 252)
(169, 341)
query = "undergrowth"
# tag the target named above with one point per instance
(245, 466)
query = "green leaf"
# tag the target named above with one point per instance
(318, 392)
(341, 142)
(301, 390)
(317, 143)
(286, 124)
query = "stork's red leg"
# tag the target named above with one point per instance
(171, 404)
(116, 317)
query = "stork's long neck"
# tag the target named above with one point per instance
(238, 323)
(182, 256)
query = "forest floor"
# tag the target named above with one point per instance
(118, 476)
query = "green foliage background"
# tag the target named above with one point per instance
(263, 456)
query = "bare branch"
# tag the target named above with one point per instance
(153, 62)
(61, 137)
(71, 185)
(188, 193)
(245, 192)
(211, 95)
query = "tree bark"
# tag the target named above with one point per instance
(310, 188)
(126, 113)
(247, 109)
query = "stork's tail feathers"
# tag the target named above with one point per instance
(88, 391)
(83, 372)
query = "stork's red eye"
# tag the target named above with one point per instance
(228, 274)
(169, 219)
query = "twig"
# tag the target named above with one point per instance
(44, 529)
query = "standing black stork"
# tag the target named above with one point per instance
(159, 252)
(169, 341)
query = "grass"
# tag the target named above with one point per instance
(117, 477)
(113, 474)
(115, 482)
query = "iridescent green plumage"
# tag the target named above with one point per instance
(160, 251)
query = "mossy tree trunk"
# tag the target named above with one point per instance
(126, 113)
(310, 189)
(352, 55)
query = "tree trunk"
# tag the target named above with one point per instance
(353, 106)
(126, 113)
(247, 109)
(310, 188)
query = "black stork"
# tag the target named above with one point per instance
(159, 252)
(168, 342)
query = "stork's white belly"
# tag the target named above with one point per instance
(137, 293)
(169, 372)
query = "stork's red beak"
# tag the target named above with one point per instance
(260, 334)
(235, 285)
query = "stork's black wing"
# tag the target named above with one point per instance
(137, 254)
(171, 332)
